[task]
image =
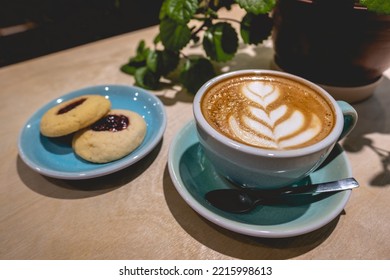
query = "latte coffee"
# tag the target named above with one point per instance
(268, 111)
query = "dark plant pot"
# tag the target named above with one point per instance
(345, 48)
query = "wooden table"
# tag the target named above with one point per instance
(137, 213)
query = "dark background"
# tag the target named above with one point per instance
(54, 25)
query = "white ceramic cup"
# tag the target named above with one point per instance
(261, 168)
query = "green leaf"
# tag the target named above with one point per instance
(152, 61)
(169, 61)
(255, 28)
(257, 6)
(141, 54)
(195, 73)
(146, 78)
(141, 48)
(162, 62)
(377, 6)
(157, 39)
(220, 42)
(139, 60)
(163, 10)
(180, 11)
(174, 36)
(129, 69)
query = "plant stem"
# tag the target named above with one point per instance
(230, 19)
(199, 29)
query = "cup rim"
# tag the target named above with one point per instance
(327, 142)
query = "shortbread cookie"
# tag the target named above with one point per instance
(73, 115)
(111, 138)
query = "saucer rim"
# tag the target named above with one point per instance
(266, 231)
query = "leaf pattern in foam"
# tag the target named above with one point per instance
(261, 93)
(262, 127)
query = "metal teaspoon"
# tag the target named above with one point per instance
(244, 200)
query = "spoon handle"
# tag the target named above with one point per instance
(334, 186)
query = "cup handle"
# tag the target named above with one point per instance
(350, 118)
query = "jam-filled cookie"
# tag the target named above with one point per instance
(111, 138)
(73, 115)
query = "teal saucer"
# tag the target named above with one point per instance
(193, 176)
(55, 157)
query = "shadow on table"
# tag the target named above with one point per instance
(374, 117)
(76, 189)
(237, 245)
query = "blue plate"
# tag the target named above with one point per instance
(55, 158)
(193, 176)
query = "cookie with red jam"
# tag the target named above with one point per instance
(111, 138)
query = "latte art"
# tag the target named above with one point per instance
(268, 113)
(263, 127)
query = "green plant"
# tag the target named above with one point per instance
(197, 21)
(377, 6)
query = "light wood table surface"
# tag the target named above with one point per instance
(137, 213)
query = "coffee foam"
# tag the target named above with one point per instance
(268, 111)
